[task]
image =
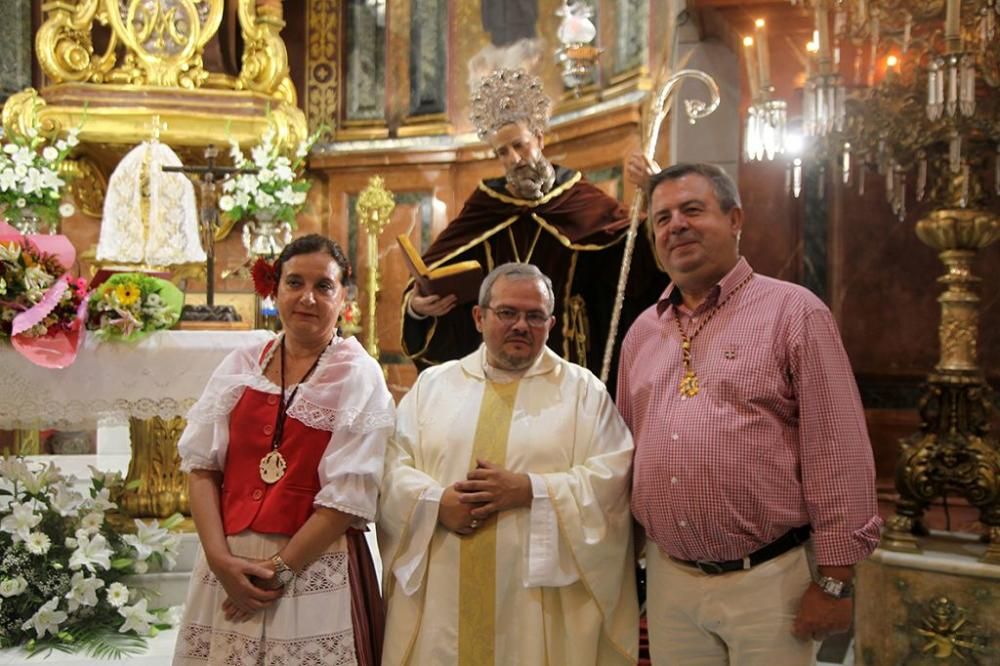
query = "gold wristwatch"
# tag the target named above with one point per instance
(283, 574)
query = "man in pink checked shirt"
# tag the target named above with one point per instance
(753, 473)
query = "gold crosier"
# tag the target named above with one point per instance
(688, 387)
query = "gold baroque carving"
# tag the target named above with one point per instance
(87, 185)
(947, 633)
(322, 63)
(265, 59)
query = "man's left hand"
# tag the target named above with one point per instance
(821, 615)
(494, 489)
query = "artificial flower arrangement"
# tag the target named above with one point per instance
(63, 568)
(130, 306)
(29, 175)
(42, 307)
(276, 190)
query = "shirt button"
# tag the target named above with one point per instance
(268, 429)
(675, 437)
(272, 400)
(673, 480)
(683, 523)
(257, 494)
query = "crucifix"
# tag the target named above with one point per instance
(208, 215)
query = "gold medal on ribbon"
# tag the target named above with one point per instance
(272, 467)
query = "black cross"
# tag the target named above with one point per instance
(209, 211)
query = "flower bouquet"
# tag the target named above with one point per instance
(277, 191)
(130, 306)
(42, 308)
(62, 566)
(30, 183)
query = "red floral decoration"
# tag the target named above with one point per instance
(265, 277)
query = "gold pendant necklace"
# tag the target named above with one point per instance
(688, 386)
(272, 467)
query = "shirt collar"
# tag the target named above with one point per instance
(672, 294)
(474, 363)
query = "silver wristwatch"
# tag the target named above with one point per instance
(283, 574)
(837, 589)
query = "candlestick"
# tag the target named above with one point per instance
(763, 55)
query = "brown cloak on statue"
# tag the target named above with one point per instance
(576, 235)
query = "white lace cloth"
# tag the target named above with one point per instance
(162, 375)
(150, 216)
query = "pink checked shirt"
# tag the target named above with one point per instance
(775, 438)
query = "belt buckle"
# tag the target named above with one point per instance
(710, 568)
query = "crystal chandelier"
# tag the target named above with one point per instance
(908, 89)
(764, 135)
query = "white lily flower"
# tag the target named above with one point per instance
(137, 618)
(172, 615)
(65, 500)
(20, 522)
(46, 619)
(117, 595)
(90, 552)
(226, 202)
(8, 180)
(147, 538)
(11, 587)
(50, 153)
(102, 501)
(263, 200)
(83, 591)
(37, 543)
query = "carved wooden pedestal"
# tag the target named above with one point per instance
(937, 607)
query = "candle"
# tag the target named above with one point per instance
(823, 30)
(763, 57)
(750, 57)
(951, 21)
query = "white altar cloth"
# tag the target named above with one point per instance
(162, 375)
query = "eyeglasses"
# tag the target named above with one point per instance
(510, 316)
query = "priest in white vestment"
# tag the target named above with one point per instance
(505, 528)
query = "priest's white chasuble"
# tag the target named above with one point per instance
(553, 584)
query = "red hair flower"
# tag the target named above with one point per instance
(265, 277)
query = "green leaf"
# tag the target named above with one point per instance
(122, 563)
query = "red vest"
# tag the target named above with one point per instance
(248, 502)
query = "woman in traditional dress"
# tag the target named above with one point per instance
(285, 452)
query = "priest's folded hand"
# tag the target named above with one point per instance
(493, 489)
(454, 514)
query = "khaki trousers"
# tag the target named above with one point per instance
(743, 618)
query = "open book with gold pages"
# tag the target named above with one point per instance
(462, 279)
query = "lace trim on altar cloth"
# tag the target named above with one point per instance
(198, 642)
(84, 413)
(324, 418)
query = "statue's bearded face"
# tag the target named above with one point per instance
(529, 174)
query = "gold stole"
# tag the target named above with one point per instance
(478, 555)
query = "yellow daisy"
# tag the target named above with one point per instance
(127, 294)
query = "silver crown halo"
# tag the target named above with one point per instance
(507, 96)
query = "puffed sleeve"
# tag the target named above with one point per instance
(350, 471)
(205, 439)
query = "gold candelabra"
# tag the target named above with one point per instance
(908, 89)
(374, 208)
